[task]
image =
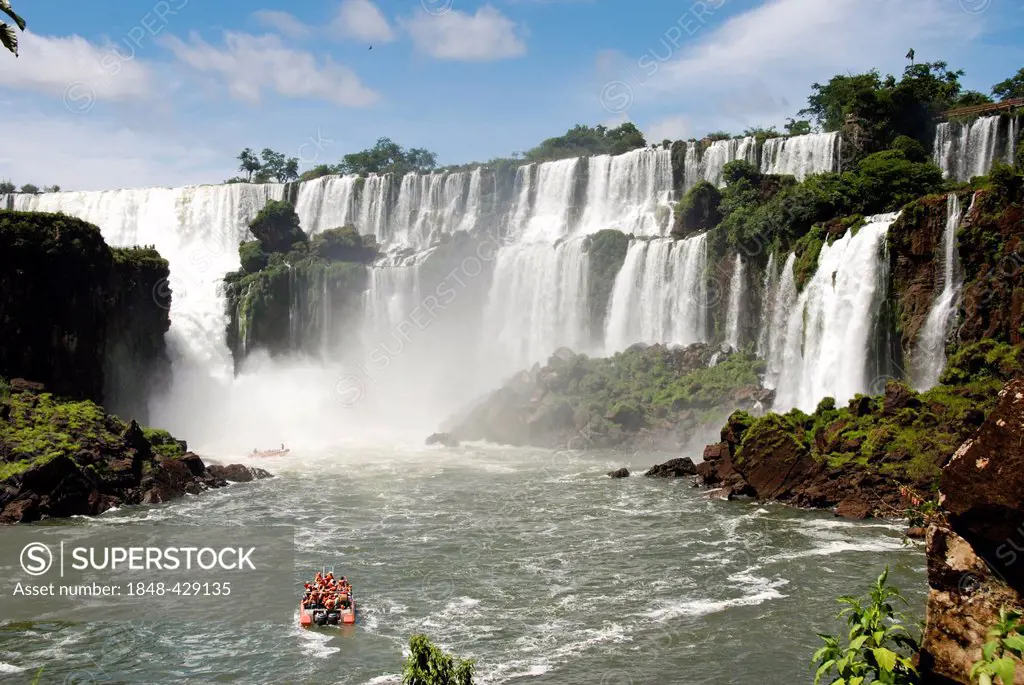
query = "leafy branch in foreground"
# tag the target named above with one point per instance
(427, 664)
(7, 35)
(1000, 656)
(878, 648)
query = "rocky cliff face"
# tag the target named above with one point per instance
(60, 459)
(78, 316)
(975, 562)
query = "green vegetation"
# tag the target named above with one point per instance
(878, 647)
(40, 427)
(698, 211)
(428, 664)
(583, 140)
(7, 35)
(642, 386)
(269, 167)
(283, 271)
(907, 439)
(1001, 655)
(1010, 89)
(606, 252)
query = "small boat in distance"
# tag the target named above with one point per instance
(269, 453)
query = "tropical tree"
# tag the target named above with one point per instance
(387, 156)
(7, 35)
(30, 188)
(7, 187)
(52, 189)
(427, 664)
(796, 127)
(275, 166)
(1011, 88)
(249, 163)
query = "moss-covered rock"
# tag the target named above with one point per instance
(62, 458)
(85, 319)
(866, 451)
(606, 252)
(698, 211)
(655, 394)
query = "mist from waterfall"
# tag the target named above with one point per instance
(930, 357)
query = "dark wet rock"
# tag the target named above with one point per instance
(854, 508)
(446, 439)
(674, 468)
(898, 396)
(619, 473)
(238, 473)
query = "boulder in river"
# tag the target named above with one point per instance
(446, 439)
(673, 468)
(619, 473)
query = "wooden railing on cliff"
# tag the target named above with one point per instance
(978, 110)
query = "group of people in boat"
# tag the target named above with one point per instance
(256, 452)
(327, 592)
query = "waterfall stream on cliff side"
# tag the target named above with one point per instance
(930, 357)
(829, 332)
(625, 192)
(768, 288)
(660, 294)
(783, 300)
(801, 156)
(733, 316)
(967, 149)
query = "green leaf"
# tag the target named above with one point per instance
(857, 643)
(988, 650)
(5, 7)
(886, 658)
(9, 38)
(1014, 642)
(1005, 668)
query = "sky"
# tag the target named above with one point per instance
(129, 93)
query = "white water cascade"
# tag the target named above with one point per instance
(829, 333)
(660, 294)
(537, 303)
(733, 317)
(930, 356)
(548, 218)
(967, 149)
(774, 325)
(630, 193)
(801, 156)
(768, 286)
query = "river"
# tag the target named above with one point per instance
(534, 563)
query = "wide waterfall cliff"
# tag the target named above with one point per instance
(488, 271)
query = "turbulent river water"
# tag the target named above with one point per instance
(532, 562)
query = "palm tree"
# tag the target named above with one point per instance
(7, 35)
(910, 56)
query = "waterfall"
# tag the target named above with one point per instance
(829, 331)
(659, 295)
(967, 149)
(721, 152)
(197, 229)
(768, 286)
(626, 192)
(930, 357)
(692, 166)
(801, 156)
(784, 298)
(327, 202)
(537, 303)
(732, 326)
(549, 217)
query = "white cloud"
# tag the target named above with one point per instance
(87, 153)
(63, 65)
(785, 45)
(249, 64)
(484, 36)
(669, 128)
(361, 20)
(282, 22)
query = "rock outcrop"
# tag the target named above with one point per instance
(673, 468)
(619, 473)
(445, 439)
(86, 320)
(60, 459)
(975, 563)
(657, 396)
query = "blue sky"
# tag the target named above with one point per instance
(119, 93)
